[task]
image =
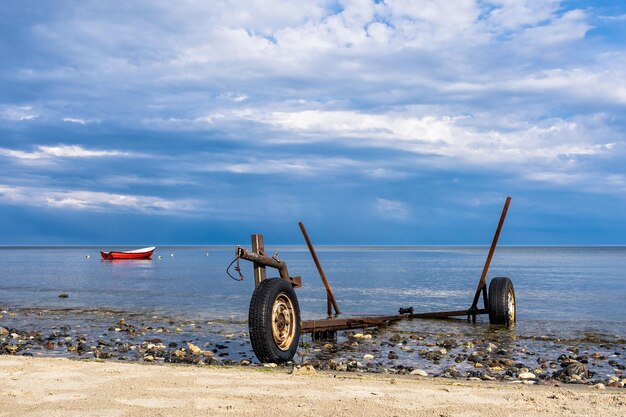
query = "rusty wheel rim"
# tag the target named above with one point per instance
(511, 305)
(283, 321)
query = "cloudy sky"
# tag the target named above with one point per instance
(374, 122)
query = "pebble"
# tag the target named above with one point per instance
(577, 369)
(418, 372)
(342, 367)
(195, 350)
(304, 370)
(599, 386)
(11, 348)
(502, 360)
(64, 296)
(270, 365)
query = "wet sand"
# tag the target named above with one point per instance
(54, 387)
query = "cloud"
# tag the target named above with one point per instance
(19, 113)
(453, 137)
(62, 151)
(92, 200)
(79, 121)
(392, 209)
(517, 14)
(293, 166)
(618, 18)
(346, 95)
(74, 151)
(74, 120)
(570, 27)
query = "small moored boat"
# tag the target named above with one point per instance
(143, 253)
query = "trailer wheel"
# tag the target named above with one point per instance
(501, 301)
(274, 321)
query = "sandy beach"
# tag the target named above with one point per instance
(55, 387)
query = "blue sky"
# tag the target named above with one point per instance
(386, 122)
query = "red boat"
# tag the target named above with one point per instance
(143, 253)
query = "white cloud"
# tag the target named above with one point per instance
(92, 200)
(392, 209)
(75, 151)
(61, 151)
(21, 154)
(74, 120)
(291, 166)
(516, 14)
(453, 137)
(79, 121)
(19, 113)
(570, 27)
(620, 17)
(607, 86)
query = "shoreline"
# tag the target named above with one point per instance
(53, 386)
(480, 353)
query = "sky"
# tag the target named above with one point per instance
(389, 122)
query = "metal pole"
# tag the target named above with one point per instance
(330, 298)
(483, 278)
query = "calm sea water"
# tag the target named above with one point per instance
(561, 291)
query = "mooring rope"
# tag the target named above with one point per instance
(237, 268)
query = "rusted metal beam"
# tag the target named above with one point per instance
(325, 325)
(347, 323)
(330, 297)
(482, 283)
(444, 314)
(271, 262)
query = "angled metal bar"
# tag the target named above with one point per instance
(330, 297)
(482, 283)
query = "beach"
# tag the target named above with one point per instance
(54, 387)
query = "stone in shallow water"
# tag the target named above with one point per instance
(195, 350)
(527, 375)
(577, 369)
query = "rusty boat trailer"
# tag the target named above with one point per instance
(274, 314)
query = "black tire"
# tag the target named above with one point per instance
(502, 307)
(274, 321)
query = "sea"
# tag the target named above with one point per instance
(558, 289)
(562, 293)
